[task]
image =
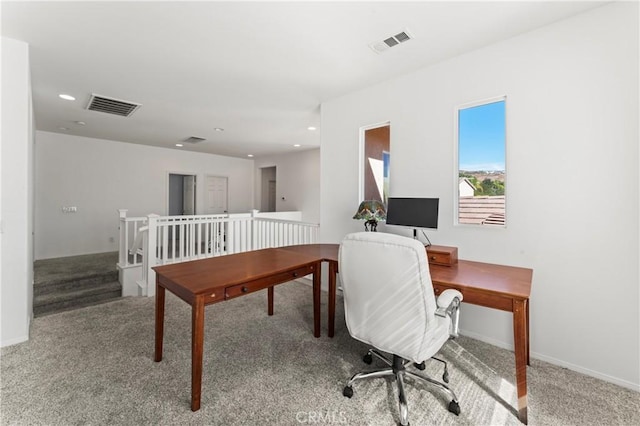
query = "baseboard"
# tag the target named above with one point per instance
(483, 338)
(14, 341)
(560, 363)
(611, 379)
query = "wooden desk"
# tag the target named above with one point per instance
(207, 281)
(500, 287)
(494, 286)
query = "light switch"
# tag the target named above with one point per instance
(71, 209)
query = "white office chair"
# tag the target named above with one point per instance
(389, 304)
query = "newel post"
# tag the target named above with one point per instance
(150, 251)
(123, 240)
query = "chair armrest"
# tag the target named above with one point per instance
(446, 298)
(448, 306)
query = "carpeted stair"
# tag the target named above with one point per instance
(67, 283)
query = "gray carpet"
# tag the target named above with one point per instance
(95, 366)
(51, 271)
(67, 283)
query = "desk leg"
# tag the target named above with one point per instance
(521, 348)
(528, 335)
(316, 300)
(332, 298)
(197, 337)
(270, 300)
(160, 292)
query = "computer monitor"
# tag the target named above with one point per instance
(413, 212)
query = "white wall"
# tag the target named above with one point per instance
(100, 176)
(16, 288)
(572, 165)
(297, 180)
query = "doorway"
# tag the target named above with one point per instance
(374, 162)
(182, 198)
(182, 194)
(268, 189)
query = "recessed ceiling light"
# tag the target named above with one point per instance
(179, 145)
(66, 97)
(219, 129)
(297, 145)
(250, 155)
(80, 123)
(64, 129)
(311, 128)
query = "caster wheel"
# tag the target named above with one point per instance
(454, 408)
(367, 359)
(445, 377)
(348, 392)
(420, 366)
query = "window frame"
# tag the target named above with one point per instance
(361, 151)
(456, 162)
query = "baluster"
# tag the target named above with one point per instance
(231, 237)
(165, 243)
(189, 247)
(151, 253)
(207, 227)
(192, 238)
(199, 238)
(173, 241)
(134, 245)
(244, 234)
(215, 234)
(183, 240)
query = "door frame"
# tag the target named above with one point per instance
(361, 152)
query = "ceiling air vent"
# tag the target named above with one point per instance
(392, 41)
(112, 106)
(194, 139)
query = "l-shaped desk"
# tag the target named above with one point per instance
(207, 281)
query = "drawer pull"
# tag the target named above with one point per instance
(433, 258)
(295, 274)
(245, 289)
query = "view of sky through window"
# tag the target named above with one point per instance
(481, 164)
(481, 134)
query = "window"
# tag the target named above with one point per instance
(481, 163)
(375, 160)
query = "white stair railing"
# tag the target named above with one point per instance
(130, 244)
(173, 239)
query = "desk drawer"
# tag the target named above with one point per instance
(260, 284)
(442, 255)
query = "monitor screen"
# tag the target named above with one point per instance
(413, 212)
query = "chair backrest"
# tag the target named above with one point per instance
(388, 295)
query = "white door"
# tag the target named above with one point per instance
(216, 195)
(189, 194)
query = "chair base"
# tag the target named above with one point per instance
(398, 371)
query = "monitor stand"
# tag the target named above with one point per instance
(415, 237)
